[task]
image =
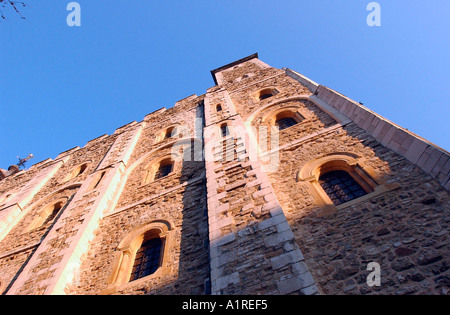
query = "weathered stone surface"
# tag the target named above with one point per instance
(236, 224)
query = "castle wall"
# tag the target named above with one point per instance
(178, 200)
(245, 213)
(405, 230)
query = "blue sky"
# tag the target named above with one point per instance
(62, 86)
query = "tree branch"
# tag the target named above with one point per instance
(14, 5)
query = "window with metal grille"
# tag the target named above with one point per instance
(163, 171)
(147, 259)
(265, 96)
(285, 122)
(341, 187)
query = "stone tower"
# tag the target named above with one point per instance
(269, 183)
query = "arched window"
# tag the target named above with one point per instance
(169, 133)
(287, 118)
(142, 253)
(267, 93)
(147, 259)
(75, 172)
(158, 169)
(341, 187)
(285, 122)
(165, 168)
(341, 179)
(219, 108)
(47, 215)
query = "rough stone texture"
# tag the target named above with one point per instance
(235, 224)
(188, 257)
(404, 230)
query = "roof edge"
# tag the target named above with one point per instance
(232, 64)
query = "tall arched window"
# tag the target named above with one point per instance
(47, 215)
(142, 253)
(341, 187)
(75, 172)
(147, 259)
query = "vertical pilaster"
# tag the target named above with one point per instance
(12, 212)
(252, 247)
(54, 264)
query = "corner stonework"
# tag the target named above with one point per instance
(252, 247)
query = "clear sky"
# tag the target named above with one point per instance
(62, 86)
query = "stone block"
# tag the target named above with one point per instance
(295, 283)
(279, 238)
(416, 149)
(286, 259)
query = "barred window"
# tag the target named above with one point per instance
(341, 187)
(286, 122)
(163, 171)
(267, 93)
(265, 96)
(147, 259)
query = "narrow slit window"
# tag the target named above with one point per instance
(99, 180)
(341, 187)
(224, 131)
(82, 169)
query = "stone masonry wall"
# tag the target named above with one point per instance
(252, 247)
(187, 255)
(178, 199)
(404, 230)
(234, 224)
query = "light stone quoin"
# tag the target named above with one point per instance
(228, 193)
